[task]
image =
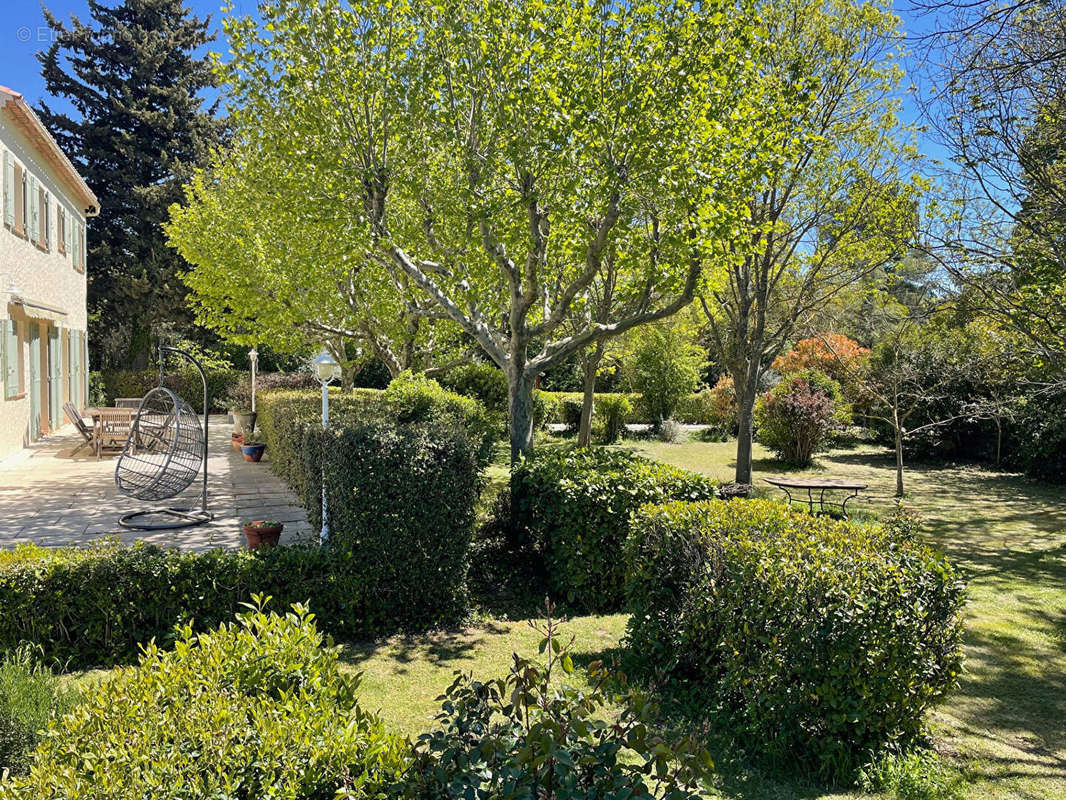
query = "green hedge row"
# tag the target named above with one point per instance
(573, 507)
(95, 606)
(821, 642)
(696, 409)
(184, 382)
(403, 474)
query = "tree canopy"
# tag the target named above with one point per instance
(493, 154)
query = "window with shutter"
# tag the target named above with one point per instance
(9, 190)
(11, 358)
(61, 225)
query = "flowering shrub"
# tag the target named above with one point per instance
(796, 417)
(832, 354)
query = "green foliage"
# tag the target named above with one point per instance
(135, 124)
(403, 477)
(530, 734)
(94, 606)
(413, 398)
(486, 383)
(254, 708)
(914, 775)
(816, 642)
(546, 407)
(612, 411)
(185, 382)
(30, 696)
(665, 367)
(573, 507)
(1038, 436)
(797, 417)
(570, 411)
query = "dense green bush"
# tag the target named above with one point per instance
(570, 410)
(796, 418)
(253, 709)
(665, 368)
(1038, 437)
(29, 696)
(184, 382)
(402, 503)
(531, 735)
(403, 476)
(820, 642)
(413, 398)
(573, 507)
(612, 410)
(94, 606)
(486, 383)
(693, 409)
(546, 408)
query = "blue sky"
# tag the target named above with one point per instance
(24, 33)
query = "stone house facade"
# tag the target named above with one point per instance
(43, 344)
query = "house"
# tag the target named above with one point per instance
(45, 202)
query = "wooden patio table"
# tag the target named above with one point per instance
(822, 485)
(102, 415)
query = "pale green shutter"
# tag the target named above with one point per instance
(9, 189)
(35, 212)
(11, 358)
(75, 254)
(66, 231)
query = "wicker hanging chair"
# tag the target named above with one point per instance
(165, 450)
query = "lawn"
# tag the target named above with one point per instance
(1005, 728)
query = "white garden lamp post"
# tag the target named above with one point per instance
(253, 357)
(327, 370)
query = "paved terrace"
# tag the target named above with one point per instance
(52, 496)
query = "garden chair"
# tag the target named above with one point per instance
(128, 402)
(86, 431)
(113, 429)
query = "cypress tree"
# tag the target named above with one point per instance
(135, 81)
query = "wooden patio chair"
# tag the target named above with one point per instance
(113, 429)
(86, 431)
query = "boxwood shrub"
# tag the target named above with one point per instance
(573, 507)
(820, 642)
(94, 606)
(255, 708)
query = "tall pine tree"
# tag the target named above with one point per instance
(139, 124)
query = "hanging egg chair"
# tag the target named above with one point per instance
(165, 451)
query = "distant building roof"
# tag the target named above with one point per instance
(24, 117)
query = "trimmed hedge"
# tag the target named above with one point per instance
(403, 477)
(256, 708)
(95, 606)
(573, 507)
(184, 382)
(695, 409)
(820, 642)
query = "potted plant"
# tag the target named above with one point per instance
(239, 402)
(251, 449)
(262, 533)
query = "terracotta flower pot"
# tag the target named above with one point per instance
(258, 535)
(237, 440)
(253, 452)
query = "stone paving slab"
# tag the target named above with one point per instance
(54, 497)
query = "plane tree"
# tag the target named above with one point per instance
(492, 154)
